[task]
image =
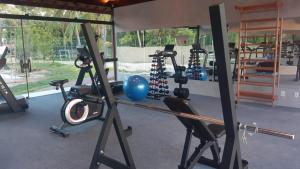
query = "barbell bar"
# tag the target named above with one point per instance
(210, 119)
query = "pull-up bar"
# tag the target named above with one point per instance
(210, 119)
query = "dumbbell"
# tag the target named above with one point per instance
(155, 84)
(163, 82)
(163, 91)
(181, 92)
(180, 79)
(155, 69)
(155, 65)
(167, 92)
(154, 74)
(163, 87)
(154, 78)
(162, 77)
(155, 90)
(152, 82)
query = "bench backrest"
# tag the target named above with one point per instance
(182, 106)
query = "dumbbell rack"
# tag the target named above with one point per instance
(194, 66)
(158, 86)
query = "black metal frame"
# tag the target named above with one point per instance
(112, 117)
(54, 19)
(16, 105)
(232, 155)
(114, 47)
(63, 5)
(298, 70)
(9, 97)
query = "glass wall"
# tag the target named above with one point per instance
(50, 49)
(134, 48)
(138, 45)
(11, 38)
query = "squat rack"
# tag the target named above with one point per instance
(232, 156)
(112, 116)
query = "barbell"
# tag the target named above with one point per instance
(209, 119)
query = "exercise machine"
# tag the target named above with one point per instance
(7, 99)
(82, 103)
(208, 135)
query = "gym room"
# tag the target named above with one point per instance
(149, 84)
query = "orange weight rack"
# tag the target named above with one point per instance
(259, 51)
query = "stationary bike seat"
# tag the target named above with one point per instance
(58, 82)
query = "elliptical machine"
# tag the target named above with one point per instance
(83, 103)
(7, 98)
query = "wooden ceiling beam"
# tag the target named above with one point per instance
(120, 3)
(62, 4)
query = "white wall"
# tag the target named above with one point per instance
(176, 13)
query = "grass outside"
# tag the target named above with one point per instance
(54, 70)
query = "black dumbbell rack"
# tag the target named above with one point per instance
(158, 86)
(194, 66)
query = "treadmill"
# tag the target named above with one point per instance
(8, 102)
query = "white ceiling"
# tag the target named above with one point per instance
(177, 13)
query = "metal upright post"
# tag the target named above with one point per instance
(114, 46)
(25, 58)
(298, 69)
(232, 156)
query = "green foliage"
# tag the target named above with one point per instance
(55, 71)
(42, 39)
(233, 37)
(154, 37)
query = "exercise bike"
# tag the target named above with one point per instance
(7, 98)
(83, 103)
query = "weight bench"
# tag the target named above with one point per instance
(206, 133)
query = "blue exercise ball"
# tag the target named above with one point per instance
(189, 73)
(136, 87)
(203, 74)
